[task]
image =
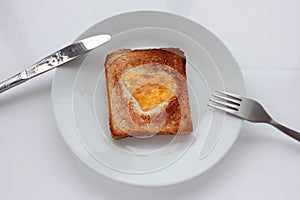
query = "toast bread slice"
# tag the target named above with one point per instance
(147, 92)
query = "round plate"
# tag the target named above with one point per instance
(81, 109)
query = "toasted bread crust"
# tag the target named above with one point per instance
(125, 116)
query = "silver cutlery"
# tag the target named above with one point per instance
(247, 109)
(56, 59)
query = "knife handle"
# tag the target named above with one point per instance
(12, 82)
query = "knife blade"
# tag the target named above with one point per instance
(54, 60)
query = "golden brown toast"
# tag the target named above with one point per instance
(147, 92)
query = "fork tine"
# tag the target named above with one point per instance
(230, 94)
(228, 99)
(222, 108)
(224, 103)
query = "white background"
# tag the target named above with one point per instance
(264, 37)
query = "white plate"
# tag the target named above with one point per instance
(81, 110)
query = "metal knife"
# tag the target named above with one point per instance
(54, 60)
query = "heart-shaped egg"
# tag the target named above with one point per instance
(149, 90)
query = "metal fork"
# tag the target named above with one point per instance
(247, 109)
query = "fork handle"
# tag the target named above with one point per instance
(286, 130)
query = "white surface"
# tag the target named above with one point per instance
(81, 108)
(264, 164)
